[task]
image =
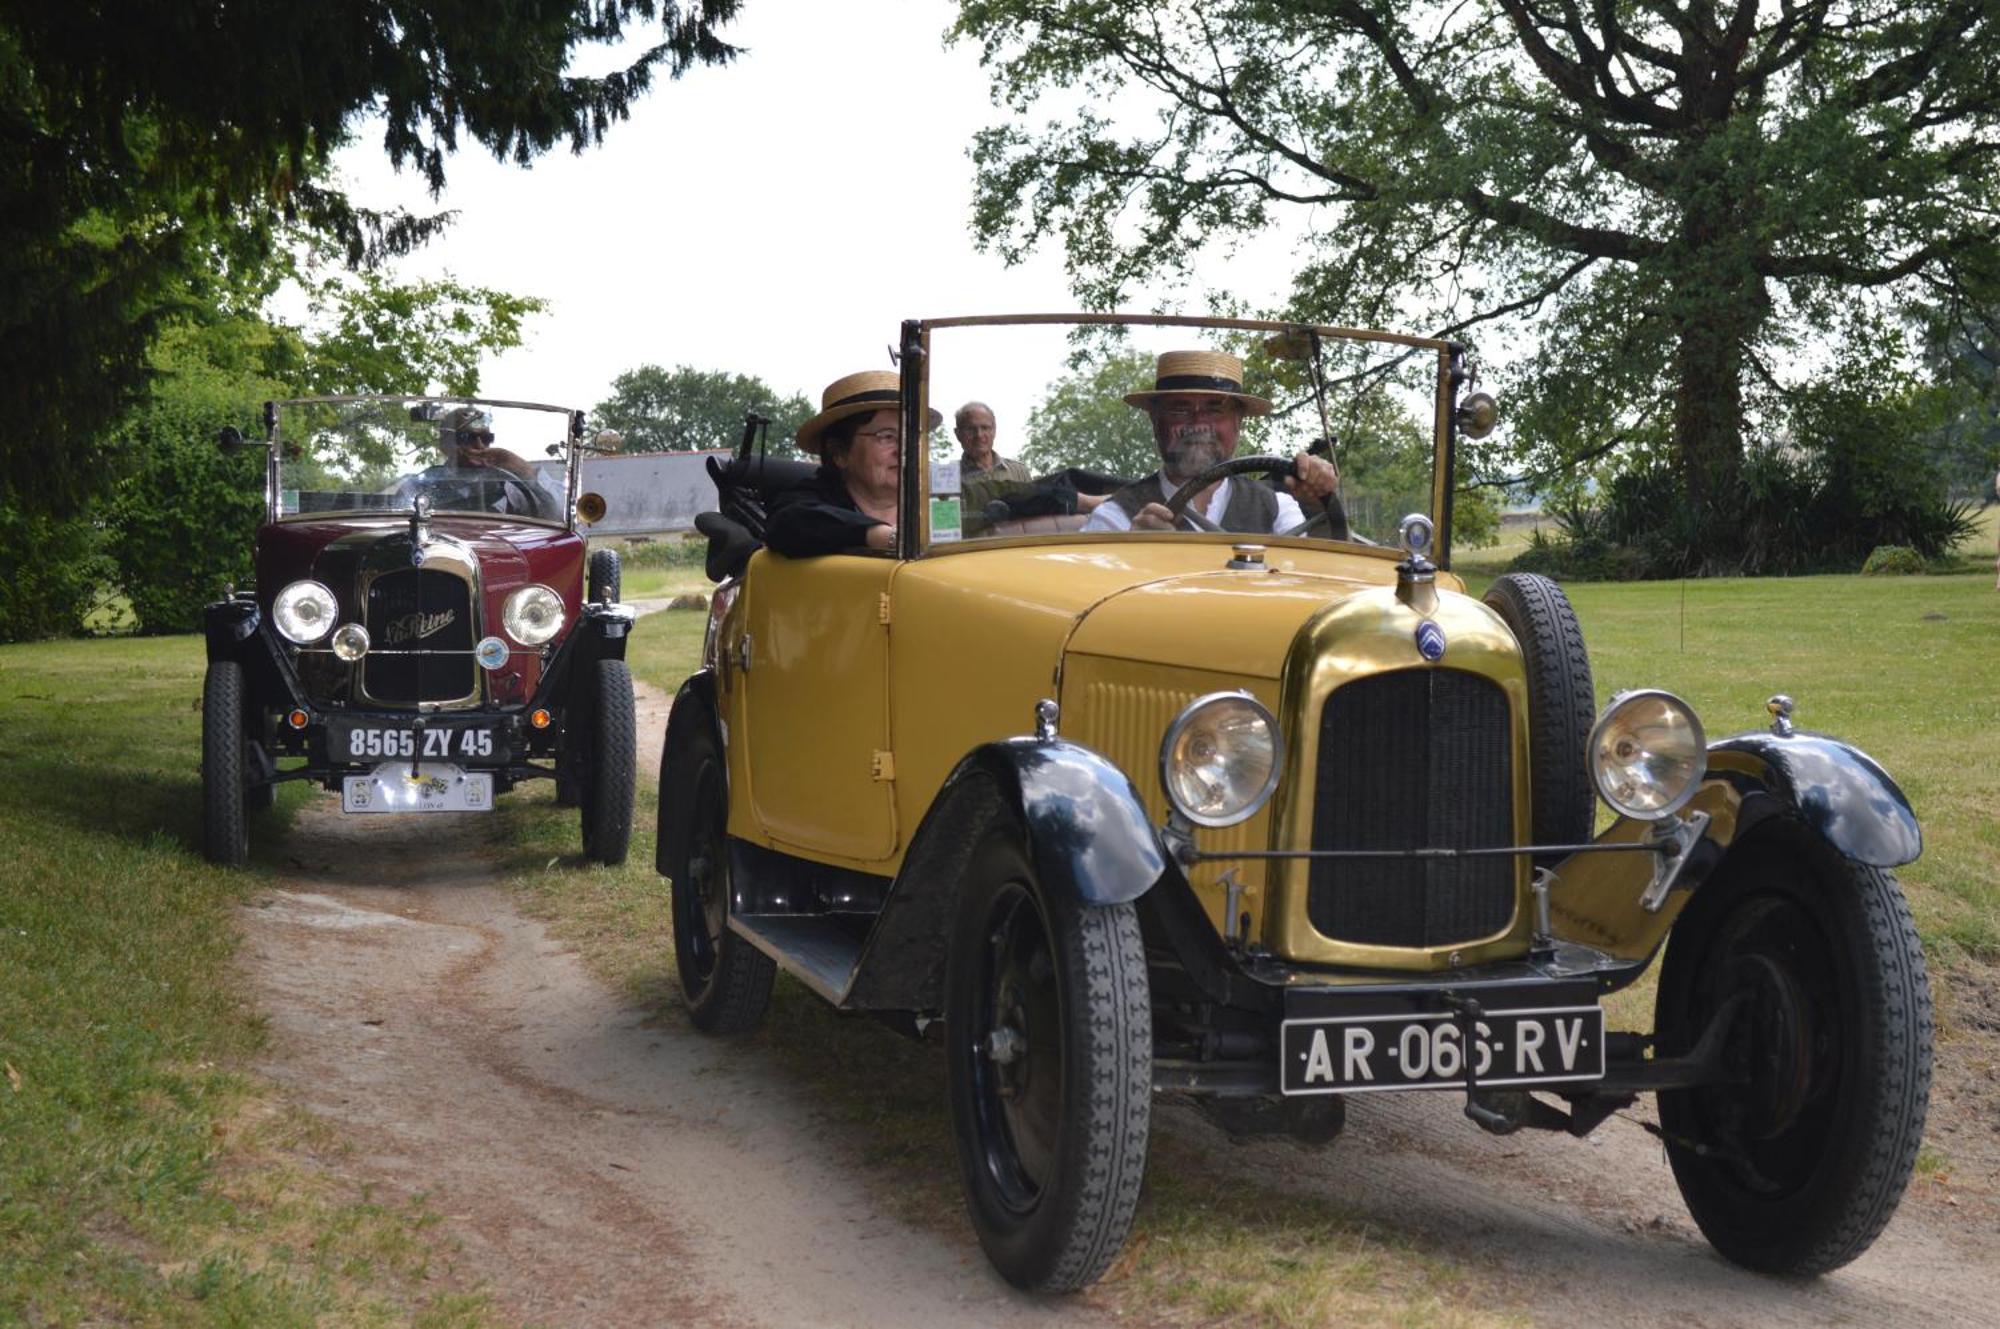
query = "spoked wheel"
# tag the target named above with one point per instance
(224, 820)
(1795, 1165)
(726, 980)
(1050, 1066)
(605, 782)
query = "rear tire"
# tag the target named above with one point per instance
(225, 823)
(605, 784)
(605, 576)
(1561, 703)
(1797, 1165)
(1051, 1124)
(726, 980)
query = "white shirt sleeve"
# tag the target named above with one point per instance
(1108, 516)
(1290, 514)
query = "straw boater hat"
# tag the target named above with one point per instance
(864, 393)
(1199, 374)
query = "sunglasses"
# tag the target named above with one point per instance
(483, 437)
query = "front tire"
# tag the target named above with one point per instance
(726, 980)
(605, 783)
(1797, 1165)
(1050, 1065)
(225, 821)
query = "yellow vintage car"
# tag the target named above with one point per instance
(1175, 760)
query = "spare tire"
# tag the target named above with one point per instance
(603, 581)
(1561, 705)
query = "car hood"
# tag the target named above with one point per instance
(1226, 622)
(509, 553)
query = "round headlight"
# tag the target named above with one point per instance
(304, 612)
(1220, 758)
(491, 652)
(350, 641)
(533, 615)
(1647, 754)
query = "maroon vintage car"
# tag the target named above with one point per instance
(425, 632)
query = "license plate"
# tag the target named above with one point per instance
(361, 741)
(435, 787)
(1360, 1053)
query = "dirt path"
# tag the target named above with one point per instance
(599, 1167)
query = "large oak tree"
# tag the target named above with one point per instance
(150, 151)
(1681, 205)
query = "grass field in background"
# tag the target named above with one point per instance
(144, 1177)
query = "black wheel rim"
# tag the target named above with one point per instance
(1017, 1054)
(701, 903)
(1770, 1127)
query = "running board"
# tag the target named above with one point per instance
(807, 946)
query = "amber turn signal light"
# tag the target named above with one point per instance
(297, 719)
(590, 508)
(539, 719)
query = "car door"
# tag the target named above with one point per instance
(813, 666)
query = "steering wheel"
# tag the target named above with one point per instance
(1334, 517)
(454, 488)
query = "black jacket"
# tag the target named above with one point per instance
(820, 518)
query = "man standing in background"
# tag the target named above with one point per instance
(983, 474)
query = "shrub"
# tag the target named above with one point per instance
(1893, 561)
(673, 552)
(50, 573)
(182, 521)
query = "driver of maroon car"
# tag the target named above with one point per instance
(465, 434)
(1197, 405)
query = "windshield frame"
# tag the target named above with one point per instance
(914, 361)
(273, 491)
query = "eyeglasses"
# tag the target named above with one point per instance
(1214, 409)
(886, 434)
(483, 437)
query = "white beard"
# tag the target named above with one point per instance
(1189, 453)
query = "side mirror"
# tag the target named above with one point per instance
(230, 439)
(608, 440)
(1477, 415)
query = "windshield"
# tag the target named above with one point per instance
(378, 454)
(1067, 427)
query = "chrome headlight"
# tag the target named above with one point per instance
(533, 615)
(350, 642)
(304, 612)
(1219, 760)
(1647, 754)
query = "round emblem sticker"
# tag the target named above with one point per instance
(1430, 640)
(417, 560)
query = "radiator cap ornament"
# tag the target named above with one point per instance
(1430, 641)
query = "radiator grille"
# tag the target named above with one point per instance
(1414, 758)
(423, 611)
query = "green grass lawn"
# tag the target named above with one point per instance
(144, 1177)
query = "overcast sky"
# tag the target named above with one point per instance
(778, 216)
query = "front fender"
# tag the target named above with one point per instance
(1086, 832)
(1832, 790)
(1838, 790)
